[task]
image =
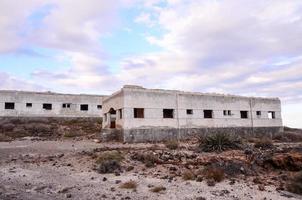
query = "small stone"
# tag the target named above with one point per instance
(199, 178)
(261, 187)
(118, 181)
(211, 182)
(105, 179)
(68, 196)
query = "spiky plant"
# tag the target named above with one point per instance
(219, 142)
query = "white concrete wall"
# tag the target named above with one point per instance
(154, 101)
(37, 99)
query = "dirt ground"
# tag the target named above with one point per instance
(65, 169)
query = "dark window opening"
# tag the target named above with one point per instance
(84, 107)
(138, 112)
(208, 113)
(9, 105)
(227, 112)
(168, 113)
(66, 105)
(99, 107)
(29, 105)
(189, 112)
(47, 106)
(271, 114)
(244, 114)
(258, 113)
(120, 113)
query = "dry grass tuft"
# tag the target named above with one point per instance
(129, 185)
(158, 189)
(215, 173)
(172, 144)
(264, 143)
(188, 175)
(110, 155)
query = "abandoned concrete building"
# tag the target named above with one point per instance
(137, 114)
(48, 104)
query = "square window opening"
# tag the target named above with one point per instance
(243, 114)
(258, 113)
(9, 105)
(66, 105)
(138, 112)
(29, 105)
(271, 114)
(47, 106)
(99, 107)
(84, 107)
(189, 112)
(168, 113)
(225, 112)
(208, 113)
(229, 112)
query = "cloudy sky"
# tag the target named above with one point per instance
(243, 47)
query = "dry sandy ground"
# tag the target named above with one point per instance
(55, 170)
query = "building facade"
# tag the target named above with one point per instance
(137, 114)
(48, 104)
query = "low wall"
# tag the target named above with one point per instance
(163, 134)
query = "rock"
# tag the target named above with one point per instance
(104, 179)
(129, 168)
(109, 166)
(232, 181)
(261, 187)
(211, 182)
(118, 181)
(201, 198)
(97, 141)
(68, 196)
(199, 178)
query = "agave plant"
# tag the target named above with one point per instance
(219, 142)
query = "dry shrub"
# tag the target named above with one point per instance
(188, 175)
(219, 142)
(129, 185)
(295, 184)
(158, 189)
(215, 173)
(148, 159)
(109, 162)
(4, 138)
(172, 144)
(110, 155)
(264, 143)
(288, 137)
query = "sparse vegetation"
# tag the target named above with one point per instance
(214, 173)
(110, 155)
(172, 144)
(148, 159)
(188, 175)
(109, 162)
(288, 137)
(264, 143)
(158, 189)
(295, 184)
(129, 185)
(219, 142)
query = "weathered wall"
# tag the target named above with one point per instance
(20, 99)
(154, 101)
